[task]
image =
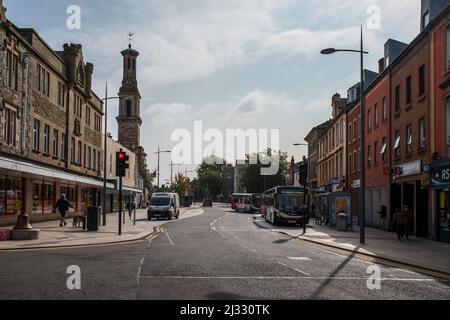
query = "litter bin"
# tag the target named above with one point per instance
(93, 214)
(341, 222)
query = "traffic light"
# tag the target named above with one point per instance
(121, 163)
(303, 173)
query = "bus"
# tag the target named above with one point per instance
(245, 202)
(284, 205)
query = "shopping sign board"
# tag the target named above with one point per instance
(409, 169)
(440, 172)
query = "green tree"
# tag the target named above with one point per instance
(146, 175)
(180, 185)
(251, 179)
(210, 177)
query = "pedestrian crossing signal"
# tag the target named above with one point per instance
(122, 163)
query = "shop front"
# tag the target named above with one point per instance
(440, 178)
(11, 196)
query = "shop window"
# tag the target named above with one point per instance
(71, 196)
(447, 113)
(444, 211)
(11, 196)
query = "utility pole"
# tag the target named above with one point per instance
(159, 153)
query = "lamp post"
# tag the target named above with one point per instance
(171, 165)
(105, 148)
(362, 195)
(159, 153)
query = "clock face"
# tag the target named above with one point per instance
(128, 82)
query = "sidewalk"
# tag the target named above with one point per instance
(422, 253)
(53, 236)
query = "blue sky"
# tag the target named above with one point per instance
(206, 59)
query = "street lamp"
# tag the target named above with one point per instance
(171, 165)
(159, 153)
(306, 195)
(362, 195)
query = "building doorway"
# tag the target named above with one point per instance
(422, 212)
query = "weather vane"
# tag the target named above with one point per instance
(130, 38)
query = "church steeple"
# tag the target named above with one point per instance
(129, 120)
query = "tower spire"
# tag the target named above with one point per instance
(130, 38)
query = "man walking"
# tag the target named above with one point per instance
(63, 206)
(398, 223)
(406, 221)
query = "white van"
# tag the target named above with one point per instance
(164, 206)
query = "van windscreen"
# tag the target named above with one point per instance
(160, 202)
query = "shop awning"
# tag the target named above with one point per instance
(32, 169)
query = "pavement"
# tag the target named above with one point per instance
(215, 255)
(416, 252)
(53, 236)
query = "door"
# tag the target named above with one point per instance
(422, 211)
(409, 192)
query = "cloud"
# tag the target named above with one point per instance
(162, 114)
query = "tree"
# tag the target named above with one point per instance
(180, 185)
(146, 175)
(251, 179)
(210, 177)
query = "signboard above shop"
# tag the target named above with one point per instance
(408, 169)
(440, 174)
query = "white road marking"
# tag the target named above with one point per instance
(299, 258)
(283, 278)
(299, 271)
(168, 237)
(138, 275)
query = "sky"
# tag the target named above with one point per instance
(232, 64)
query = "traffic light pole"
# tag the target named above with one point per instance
(120, 205)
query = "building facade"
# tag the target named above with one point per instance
(50, 128)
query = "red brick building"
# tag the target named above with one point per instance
(440, 125)
(352, 150)
(377, 104)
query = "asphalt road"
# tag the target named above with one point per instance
(217, 255)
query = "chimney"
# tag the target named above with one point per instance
(381, 65)
(89, 70)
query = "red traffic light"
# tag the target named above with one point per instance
(121, 155)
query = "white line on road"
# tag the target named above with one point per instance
(138, 275)
(299, 271)
(299, 258)
(168, 237)
(284, 278)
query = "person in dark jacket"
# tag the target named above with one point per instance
(63, 206)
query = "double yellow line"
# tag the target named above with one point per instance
(157, 232)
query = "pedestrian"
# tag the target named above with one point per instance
(398, 223)
(63, 206)
(406, 221)
(383, 215)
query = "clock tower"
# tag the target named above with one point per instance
(129, 119)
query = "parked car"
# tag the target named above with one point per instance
(207, 202)
(164, 205)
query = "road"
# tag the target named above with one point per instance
(217, 255)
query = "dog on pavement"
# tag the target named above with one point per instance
(77, 222)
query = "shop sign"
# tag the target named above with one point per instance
(440, 173)
(409, 169)
(356, 184)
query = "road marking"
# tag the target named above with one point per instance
(299, 258)
(299, 271)
(170, 240)
(138, 275)
(284, 278)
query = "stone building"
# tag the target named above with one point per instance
(50, 128)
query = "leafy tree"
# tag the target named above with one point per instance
(251, 179)
(146, 175)
(181, 185)
(210, 177)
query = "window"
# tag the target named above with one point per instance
(72, 150)
(384, 109)
(408, 90)
(9, 127)
(55, 142)
(98, 122)
(397, 143)
(422, 80)
(375, 115)
(46, 139)
(397, 99)
(89, 158)
(79, 152)
(409, 141)
(447, 47)
(387, 61)
(77, 108)
(425, 19)
(383, 150)
(350, 133)
(61, 95)
(88, 115)
(355, 133)
(8, 67)
(369, 120)
(355, 162)
(84, 155)
(63, 146)
(36, 134)
(128, 108)
(422, 134)
(375, 153)
(369, 156)
(43, 80)
(14, 72)
(98, 161)
(350, 169)
(447, 112)
(94, 161)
